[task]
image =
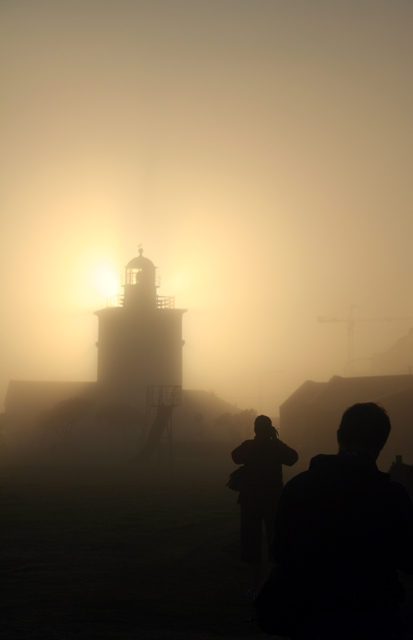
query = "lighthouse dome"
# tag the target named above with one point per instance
(140, 262)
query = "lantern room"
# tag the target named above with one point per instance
(140, 283)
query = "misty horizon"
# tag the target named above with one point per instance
(259, 152)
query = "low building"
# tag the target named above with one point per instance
(310, 417)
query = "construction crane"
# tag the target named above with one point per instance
(350, 321)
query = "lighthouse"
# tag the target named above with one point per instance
(139, 338)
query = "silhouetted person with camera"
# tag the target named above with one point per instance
(342, 530)
(261, 488)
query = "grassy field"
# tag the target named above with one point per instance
(121, 552)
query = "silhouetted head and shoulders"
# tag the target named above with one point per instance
(362, 434)
(342, 528)
(266, 444)
(346, 492)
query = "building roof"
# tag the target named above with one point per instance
(304, 395)
(339, 393)
(140, 262)
(28, 398)
(206, 400)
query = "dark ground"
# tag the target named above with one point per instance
(122, 553)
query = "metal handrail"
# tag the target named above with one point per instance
(165, 302)
(115, 301)
(162, 302)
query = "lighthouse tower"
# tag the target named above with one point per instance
(140, 338)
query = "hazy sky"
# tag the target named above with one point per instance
(259, 150)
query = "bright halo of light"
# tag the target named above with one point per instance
(181, 281)
(103, 280)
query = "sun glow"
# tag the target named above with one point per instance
(103, 280)
(94, 279)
